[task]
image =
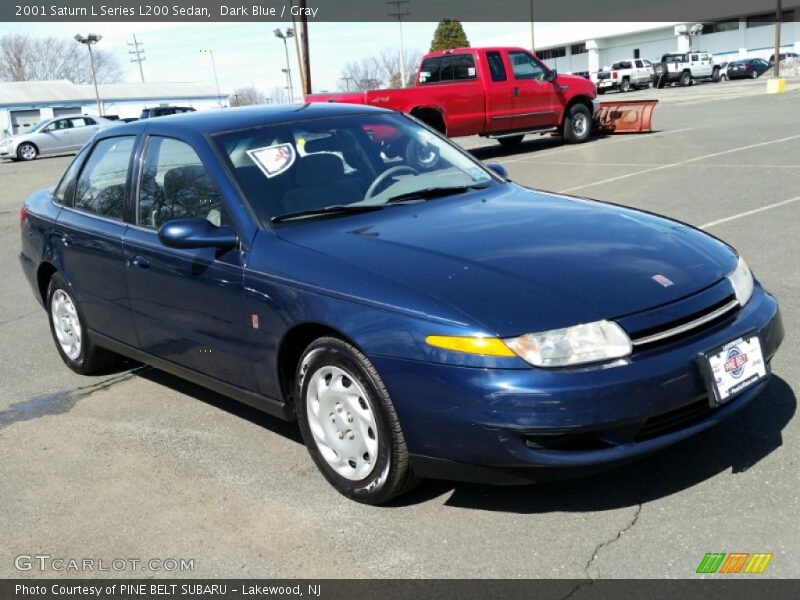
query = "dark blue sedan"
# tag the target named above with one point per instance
(417, 313)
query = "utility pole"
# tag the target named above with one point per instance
(137, 54)
(347, 81)
(216, 79)
(533, 39)
(299, 57)
(400, 11)
(778, 39)
(304, 44)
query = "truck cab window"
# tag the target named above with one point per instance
(525, 66)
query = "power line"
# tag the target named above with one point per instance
(138, 54)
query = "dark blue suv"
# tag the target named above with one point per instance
(417, 313)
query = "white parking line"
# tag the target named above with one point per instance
(562, 149)
(677, 164)
(749, 212)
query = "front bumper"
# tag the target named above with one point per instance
(514, 426)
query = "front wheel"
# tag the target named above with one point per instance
(68, 328)
(625, 86)
(349, 423)
(510, 141)
(27, 151)
(577, 126)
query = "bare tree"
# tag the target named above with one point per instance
(278, 95)
(247, 96)
(389, 61)
(26, 58)
(360, 75)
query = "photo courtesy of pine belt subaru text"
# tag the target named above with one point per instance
(418, 314)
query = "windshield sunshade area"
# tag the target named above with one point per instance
(306, 169)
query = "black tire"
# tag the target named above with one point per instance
(625, 85)
(686, 79)
(715, 76)
(92, 359)
(601, 91)
(660, 69)
(510, 141)
(27, 151)
(391, 474)
(569, 129)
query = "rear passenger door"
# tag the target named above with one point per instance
(188, 304)
(499, 93)
(88, 238)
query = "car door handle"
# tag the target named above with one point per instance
(66, 239)
(141, 262)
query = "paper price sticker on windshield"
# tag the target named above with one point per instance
(273, 160)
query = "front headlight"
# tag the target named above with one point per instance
(590, 342)
(742, 281)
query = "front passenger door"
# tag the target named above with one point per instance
(534, 98)
(188, 304)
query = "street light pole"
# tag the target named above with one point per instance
(90, 39)
(216, 79)
(285, 36)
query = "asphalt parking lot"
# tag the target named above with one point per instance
(139, 464)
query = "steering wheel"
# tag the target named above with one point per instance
(373, 188)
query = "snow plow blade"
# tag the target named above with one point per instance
(626, 116)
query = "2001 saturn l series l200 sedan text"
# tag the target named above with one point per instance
(419, 315)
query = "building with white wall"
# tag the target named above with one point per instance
(23, 103)
(589, 47)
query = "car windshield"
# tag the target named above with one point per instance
(39, 125)
(308, 168)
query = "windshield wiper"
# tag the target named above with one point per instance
(435, 192)
(325, 210)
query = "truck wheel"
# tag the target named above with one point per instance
(625, 86)
(715, 76)
(577, 126)
(686, 78)
(510, 141)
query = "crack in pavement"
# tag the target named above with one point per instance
(19, 317)
(58, 403)
(591, 579)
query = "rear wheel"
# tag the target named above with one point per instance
(510, 141)
(686, 78)
(27, 151)
(349, 423)
(715, 76)
(69, 332)
(625, 85)
(577, 126)
(754, 75)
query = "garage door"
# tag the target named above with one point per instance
(65, 112)
(22, 119)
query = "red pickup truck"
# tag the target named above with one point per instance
(501, 93)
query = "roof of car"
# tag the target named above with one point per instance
(218, 120)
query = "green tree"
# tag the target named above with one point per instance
(449, 34)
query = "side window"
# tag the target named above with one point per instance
(429, 71)
(496, 66)
(525, 66)
(464, 67)
(639, 64)
(647, 63)
(89, 121)
(694, 57)
(175, 185)
(78, 122)
(63, 191)
(101, 184)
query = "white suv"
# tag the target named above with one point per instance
(684, 67)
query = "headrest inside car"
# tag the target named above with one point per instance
(319, 169)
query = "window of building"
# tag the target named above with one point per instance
(551, 53)
(578, 48)
(101, 184)
(760, 20)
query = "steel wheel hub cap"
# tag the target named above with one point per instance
(579, 124)
(342, 422)
(66, 324)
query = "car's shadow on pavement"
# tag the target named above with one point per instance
(493, 150)
(288, 430)
(736, 445)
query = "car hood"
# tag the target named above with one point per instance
(518, 261)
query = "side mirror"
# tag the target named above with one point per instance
(551, 75)
(196, 233)
(499, 169)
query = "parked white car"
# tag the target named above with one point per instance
(52, 136)
(625, 75)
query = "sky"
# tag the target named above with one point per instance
(249, 53)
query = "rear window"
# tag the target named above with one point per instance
(674, 58)
(450, 67)
(624, 64)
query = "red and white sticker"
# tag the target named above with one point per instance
(273, 160)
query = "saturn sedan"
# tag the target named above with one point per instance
(417, 313)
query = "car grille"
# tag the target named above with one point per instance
(688, 325)
(674, 420)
